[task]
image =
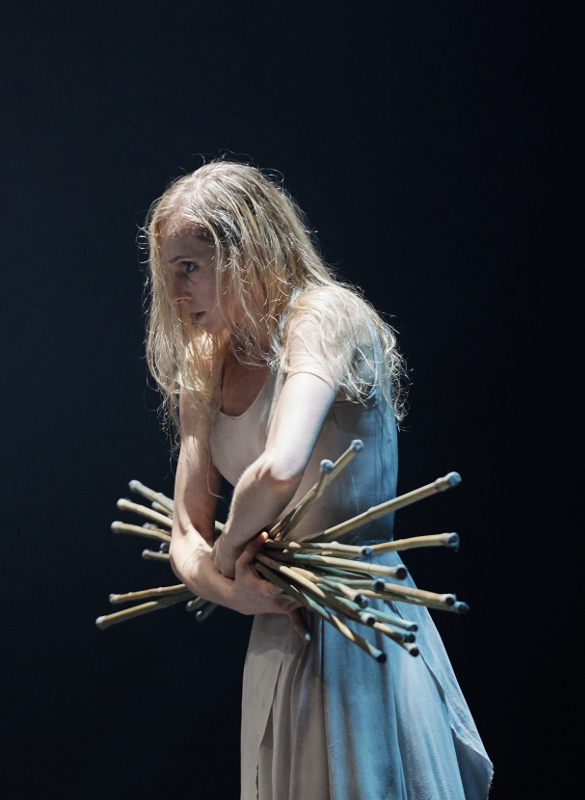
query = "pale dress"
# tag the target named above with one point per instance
(324, 721)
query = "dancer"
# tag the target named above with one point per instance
(267, 365)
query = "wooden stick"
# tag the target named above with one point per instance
(321, 593)
(205, 611)
(294, 516)
(343, 577)
(341, 588)
(159, 497)
(308, 601)
(392, 633)
(355, 611)
(196, 604)
(353, 551)
(273, 544)
(305, 578)
(137, 530)
(162, 591)
(332, 572)
(127, 505)
(393, 619)
(374, 584)
(155, 555)
(397, 598)
(457, 607)
(138, 611)
(399, 572)
(434, 540)
(329, 471)
(296, 575)
(340, 552)
(405, 640)
(321, 575)
(440, 485)
(421, 594)
(161, 509)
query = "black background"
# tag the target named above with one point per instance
(433, 146)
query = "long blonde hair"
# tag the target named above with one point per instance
(267, 261)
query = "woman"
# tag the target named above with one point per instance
(268, 365)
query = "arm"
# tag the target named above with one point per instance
(322, 333)
(269, 484)
(196, 489)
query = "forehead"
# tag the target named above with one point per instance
(184, 243)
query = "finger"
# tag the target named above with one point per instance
(299, 625)
(252, 548)
(268, 589)
(246, 571)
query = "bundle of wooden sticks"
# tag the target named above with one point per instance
(322, 574)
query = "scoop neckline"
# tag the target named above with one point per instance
(252, 404)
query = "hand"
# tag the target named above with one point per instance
(224, 556)
(252, 594)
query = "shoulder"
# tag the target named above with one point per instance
(332, 307)
(326, 297)
(326, 330)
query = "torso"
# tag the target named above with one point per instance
(239, 437)
(241, 385)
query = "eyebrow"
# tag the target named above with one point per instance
(180, 258)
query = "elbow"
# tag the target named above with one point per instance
(280, 475)
(177, 557)
(174, 561)
(187, 551)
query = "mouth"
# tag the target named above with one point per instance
(199, 316)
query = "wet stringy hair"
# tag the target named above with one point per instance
(269, 266)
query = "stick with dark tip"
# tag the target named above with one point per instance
(328, 472)
(205, 611)
(138, 530)
(434, 540)
(340, 587)
(353, 610)
(158, 497)
(325, 548)
(161, 519)
(307, 601)
(400, 572)
(161, 591)
(195, 604)
(440, 485)
(155, 555)
(137, 611)
(393, 619)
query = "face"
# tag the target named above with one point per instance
(192, 271)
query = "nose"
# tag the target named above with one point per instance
(179, 291)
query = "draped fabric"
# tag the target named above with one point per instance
(324, 721)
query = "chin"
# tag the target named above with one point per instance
(213, 328)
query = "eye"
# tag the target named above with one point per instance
(190, 267)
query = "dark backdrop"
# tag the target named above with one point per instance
(431, 145)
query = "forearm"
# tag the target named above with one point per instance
(248, 593)
(261, 495)
(269, 484)
(192, 563)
